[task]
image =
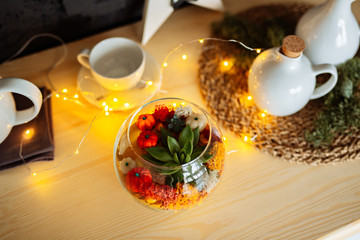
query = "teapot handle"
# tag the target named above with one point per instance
(29, 90)
(329, 84)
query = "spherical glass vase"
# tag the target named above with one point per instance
(169, 154)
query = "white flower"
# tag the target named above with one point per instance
(212, 181)
(197, 120)
(183, 111)
(126, 165)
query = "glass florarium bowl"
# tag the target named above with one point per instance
(169, 154)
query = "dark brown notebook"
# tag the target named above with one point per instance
(37, 147)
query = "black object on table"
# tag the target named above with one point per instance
(39, 146)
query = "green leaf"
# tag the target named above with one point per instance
(196, 136)
(188, 158)
(186, 135)
(188, 147)
(164, 134)
(170, 171)
(171, 164)
(182, 156)
(150, 159)
(174, 178)
(160, 153)
(176, 159)
(173, 145)
(197, 151)
(206, 157)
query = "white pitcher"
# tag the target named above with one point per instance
(9, 116)
(330, 32)
(282, 79)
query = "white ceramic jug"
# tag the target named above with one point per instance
(330, 31)
(283, 83)
(9, 116)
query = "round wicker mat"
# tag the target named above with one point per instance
(283, 137)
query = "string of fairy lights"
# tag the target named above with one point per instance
(106, 107)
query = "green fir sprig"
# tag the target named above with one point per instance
(342, 106)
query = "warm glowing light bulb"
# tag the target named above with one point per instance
(246, 138)
(77, 151)
(249, 98)
(104, 104)
(258, 50)
(165, 64)
(76, 96)
(115, 99)
(201, 40)
(224, 138)
(126, 105)
(174, 104)
(226, 65)
(29, 133)
(149, 83)
(57, 95)
(65, 90)
(34, 174)
(263, 115)
(106, 108)
(107, 113)
(183, 103)
(184, 57)
(65, 98)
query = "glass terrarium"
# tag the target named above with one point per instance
(169, 154)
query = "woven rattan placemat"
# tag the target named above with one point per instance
(282, 137)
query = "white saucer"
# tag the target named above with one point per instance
(96, 94)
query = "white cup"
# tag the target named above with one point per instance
(116, 63)
(9, 116)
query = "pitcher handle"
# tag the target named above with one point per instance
(329, 84)
(83, 58)
(27, 89)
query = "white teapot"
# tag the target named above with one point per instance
(9, 116)
(330, 31)
(282, 80)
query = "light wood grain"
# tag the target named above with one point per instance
(259, 197)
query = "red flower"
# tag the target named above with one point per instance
(161, 113)
(147, 139)
(138, 179)
(170, 114)
(146, 122)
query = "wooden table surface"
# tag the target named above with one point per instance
(259, 197)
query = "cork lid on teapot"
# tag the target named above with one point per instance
(292, 46)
